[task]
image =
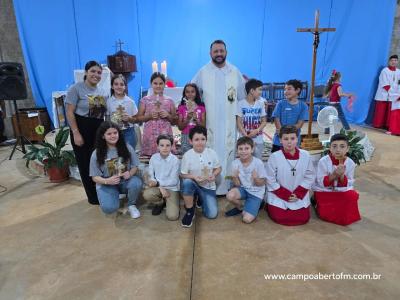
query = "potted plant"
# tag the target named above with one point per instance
(54, 159)
(356, 152)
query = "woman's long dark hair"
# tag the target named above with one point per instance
(197, 99)
(101, 145)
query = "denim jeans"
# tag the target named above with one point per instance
(251, 202)
(208, 197)
(130, 136)
(341, 116)
(109, 194)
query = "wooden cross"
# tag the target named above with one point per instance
(205, 172)
(120, 109)
(315, 31)
(158, 103)
(119, 44)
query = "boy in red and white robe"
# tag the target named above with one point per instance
(290, 175)
(333, 190)
(388, 92)
(394, 122)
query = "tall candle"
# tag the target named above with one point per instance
(154, 66)
(164, 68)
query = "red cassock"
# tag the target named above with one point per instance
(288, 217)
(388, 91)
(394, 123)
(382, 114)
(338, 207)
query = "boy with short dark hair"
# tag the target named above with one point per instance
(163, 184)
(290, 175)
(199, 170)
(289, 111)
(333, 190)
(251, 116)
(248, 176)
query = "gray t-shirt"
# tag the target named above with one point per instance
(112, 163)
(89, 102)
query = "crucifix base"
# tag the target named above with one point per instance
(311, 143)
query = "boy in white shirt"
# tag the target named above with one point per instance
(249, 178)
(163, 182)
(251, 116)
(199, 169)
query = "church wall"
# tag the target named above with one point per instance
(395, 45)
(10, 51)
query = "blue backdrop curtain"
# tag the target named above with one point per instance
(60, 36)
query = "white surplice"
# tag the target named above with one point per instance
(326, 167)
(216, 84)
(392, 78)
(279, 173)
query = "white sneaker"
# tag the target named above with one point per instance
(135, 213)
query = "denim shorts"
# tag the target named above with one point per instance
(251, 202)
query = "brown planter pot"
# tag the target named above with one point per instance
(57, 174)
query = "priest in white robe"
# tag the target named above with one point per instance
(222, 85)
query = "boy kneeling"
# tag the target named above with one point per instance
(290, 174)
(334, 193)
(249, 180)
(163, 182)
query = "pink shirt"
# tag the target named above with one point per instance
(183, 112)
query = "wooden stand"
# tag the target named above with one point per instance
(310, 142)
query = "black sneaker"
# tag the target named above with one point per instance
(233, 212)
(199, 203)
(157, 209)
(187, 219)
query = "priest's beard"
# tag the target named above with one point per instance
(219, 60)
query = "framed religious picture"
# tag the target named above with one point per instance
(59, 113)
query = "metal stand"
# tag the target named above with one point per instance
(21, 139)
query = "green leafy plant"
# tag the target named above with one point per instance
(356, 152)
(52, 155)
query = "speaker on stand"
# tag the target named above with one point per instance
(13, 88)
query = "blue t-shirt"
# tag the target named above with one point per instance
(289, 114)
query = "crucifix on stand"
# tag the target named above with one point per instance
(311, 141)
(119, 44)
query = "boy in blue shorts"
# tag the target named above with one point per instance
(289, 111)
(199, 169)
(249, 180)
